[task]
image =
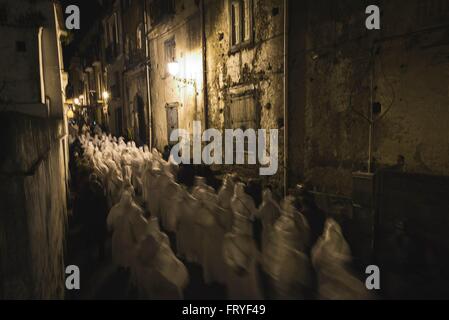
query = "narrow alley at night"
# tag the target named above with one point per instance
(238, 150)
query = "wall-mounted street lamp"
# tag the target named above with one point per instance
(173, 70)
(105, 96)
(76, 101)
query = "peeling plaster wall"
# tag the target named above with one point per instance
(261, 65)
(185, 29)
(135, 86)
(411, 76)
(32, 208)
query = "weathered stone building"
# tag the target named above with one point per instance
(175, 36)
(365, 111)
(333, 58)
(245, 69)
(229, 56)
(88, 90)
(33, 140)
(113, 42)
(135, 72)
(341, 78)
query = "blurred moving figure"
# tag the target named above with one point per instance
(159, 274)
(286, 258)
(240, 250)
(128, 225)
(224, 201)
(240, 236)
(331, 257)
(268, 213)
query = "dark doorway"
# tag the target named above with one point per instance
(142, 131)
(172, 118)
(118, 122)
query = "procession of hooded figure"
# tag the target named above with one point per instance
(158, 225)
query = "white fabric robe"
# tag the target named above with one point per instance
(331, 257)
(268, 213)
(186, 239)
(240, 251)
(128, 228)
(159, 274)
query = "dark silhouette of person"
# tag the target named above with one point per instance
(91, 209)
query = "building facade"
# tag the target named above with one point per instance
(136, 101)
(113, 43)
(88, 86)
(33, 164)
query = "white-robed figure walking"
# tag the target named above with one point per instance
(268, 212)
(212, 232)
(159, 274)
(286, 259)
(128, 226)
(114, 183)
(168, 187)
(136, 175)
(186, 241)
(240, 251)
(152, 189)
(225, 195)
(201, 218)
(146, 176)
(331, 258)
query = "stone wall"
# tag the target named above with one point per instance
(408, 60)
(32, 207)
(184, 29)
(255, 72)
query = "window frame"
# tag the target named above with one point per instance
(169, 45)
(241, 44)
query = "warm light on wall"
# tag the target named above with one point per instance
(173, 68)
(70, 114)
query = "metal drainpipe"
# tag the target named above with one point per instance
(204, 54)
(147, 69)
(286, 97)
(371, 116)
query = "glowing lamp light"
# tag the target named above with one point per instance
(77, 101)
(105, 95)
(173, 68)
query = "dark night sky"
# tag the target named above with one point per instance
(90, 11)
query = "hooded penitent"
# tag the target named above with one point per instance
(286, 258)
(331, 258)
(224, 201)
(268, 213)
(159, 274)
(240, 252)
(186, 240)
(128, 227)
